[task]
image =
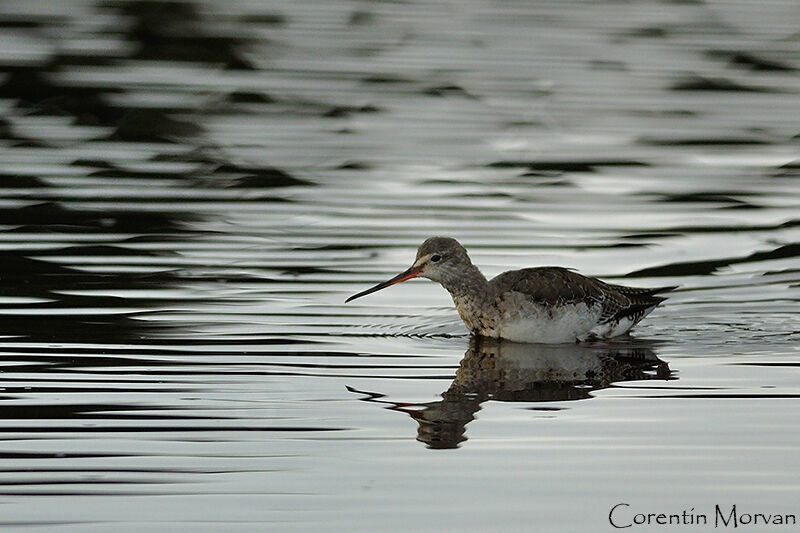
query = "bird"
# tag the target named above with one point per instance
(546, 305)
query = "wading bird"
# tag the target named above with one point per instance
(544, 304)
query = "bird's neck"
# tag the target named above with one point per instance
(469, 283)
(469, 290)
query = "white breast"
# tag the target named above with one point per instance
(560, 325)
(521, 320)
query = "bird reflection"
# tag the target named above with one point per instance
(494, 369)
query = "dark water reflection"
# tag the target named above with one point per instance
(190, 190)
(512, 372)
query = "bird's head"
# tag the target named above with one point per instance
(438, 259)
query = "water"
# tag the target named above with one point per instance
(190, 191)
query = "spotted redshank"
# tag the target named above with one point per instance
(548, 305)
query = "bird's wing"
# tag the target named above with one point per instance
(550, 286)
(641, 291)
(556, 286)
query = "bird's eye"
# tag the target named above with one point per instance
(436, 258)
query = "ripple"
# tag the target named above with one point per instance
(190, 190)
(708, 267)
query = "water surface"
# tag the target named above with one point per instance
(189, 192)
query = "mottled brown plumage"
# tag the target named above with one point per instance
(557, 286)
(542, 304)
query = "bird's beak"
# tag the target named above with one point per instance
(412, 272)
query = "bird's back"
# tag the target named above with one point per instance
(582, 303)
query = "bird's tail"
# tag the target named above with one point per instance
(642, 291)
